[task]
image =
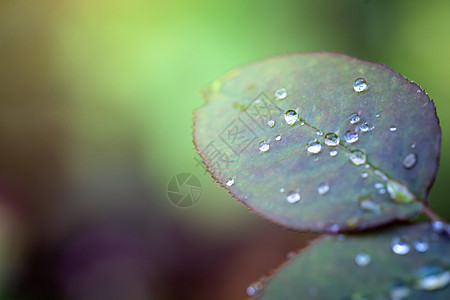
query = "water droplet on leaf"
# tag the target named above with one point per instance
(364, 175)
(362, 259)
(264, 146)
(354, 118)
(410, 161)
(437, 226)
(351, 137)
(251, 291)
(399, 292)
(313, 146)
(368, 205)
(293, 198)
(271, 123)
(364, 127)
(357, 157)
(333, 153)
(421, 245)
(398, 192)
(432, 277)
(400, 246)
(331, 139)
(319, 132)
(360, 85)
(281, 94)
(378, 185)
(278, 138)
(229, 181)
(392, 128)
(323, 188)
(291, 117)
(381, 174)
(333, 228)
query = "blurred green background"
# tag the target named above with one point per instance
(97, 101)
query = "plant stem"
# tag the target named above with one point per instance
(430, 213)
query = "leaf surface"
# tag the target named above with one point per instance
(401, 145)
(366, 267)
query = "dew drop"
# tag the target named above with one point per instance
(362, 259)
(437, 226)
(400, 246)
(282, 190)
(413, 145)
(354, 118)
(399, 292)
(251, 291)
(331, 139)
(421, 245)
(319, 132)
(271, 123)
(333, 152)
(364, 175)
(410, 160)
(281, 94)
(358, 157)
(379, 185)
(229, 181)
(293, 198)
(333, 228)
(364, 127)
(278, 138)
(323, 188)
(313, 146)
(369, 206)
(351, 137)
(392, 128)
(264, 146)
(360, 85)
(432, 277)
(291, 117)
(381, 174)
(382, 191)
(377, 115)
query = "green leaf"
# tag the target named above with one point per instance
(366, 267)
(400, 142)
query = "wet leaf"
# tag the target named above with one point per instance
(294, 174)
(366, 267)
